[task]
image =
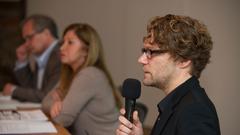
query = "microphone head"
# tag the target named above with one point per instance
(131, 88)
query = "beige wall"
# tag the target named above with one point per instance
(122, 24)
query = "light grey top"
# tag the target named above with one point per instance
(89, 107)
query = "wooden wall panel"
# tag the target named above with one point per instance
(12, 12)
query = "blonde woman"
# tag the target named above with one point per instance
(85, 100)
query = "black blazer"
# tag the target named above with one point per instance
(189, 112)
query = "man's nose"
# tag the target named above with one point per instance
(143, 59)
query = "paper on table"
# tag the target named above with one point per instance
(28, 105)
(26, 127)
(7, 106)
(7, 103)
(29, 121)
(32, 115)
(14, 121)
(28, 115)
(4, 98)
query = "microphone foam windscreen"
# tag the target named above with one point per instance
(131, 88)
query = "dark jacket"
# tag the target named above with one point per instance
(27, 90)
(188, 111)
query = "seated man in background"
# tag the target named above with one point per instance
(38, 64)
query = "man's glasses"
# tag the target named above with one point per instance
(150, 53)
(30, 36)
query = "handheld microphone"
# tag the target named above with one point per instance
(131, 90)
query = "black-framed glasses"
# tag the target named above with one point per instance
(150, 53)
(30, 36)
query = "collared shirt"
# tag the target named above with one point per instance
(169, 100)
(162, 105)
(42, 62)
(166, 102)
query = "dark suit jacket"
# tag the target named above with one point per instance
(189, 111)
(27, 90)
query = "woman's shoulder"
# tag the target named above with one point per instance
(91, 72)
(91, 69)
(90, 77)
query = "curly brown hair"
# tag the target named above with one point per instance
(185, 38)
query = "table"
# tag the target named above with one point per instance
(60, 131)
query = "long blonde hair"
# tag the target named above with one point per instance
(95, 57)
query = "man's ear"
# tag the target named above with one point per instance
(47, 32)
(184, 63)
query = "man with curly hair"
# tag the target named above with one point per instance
(176, 50)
